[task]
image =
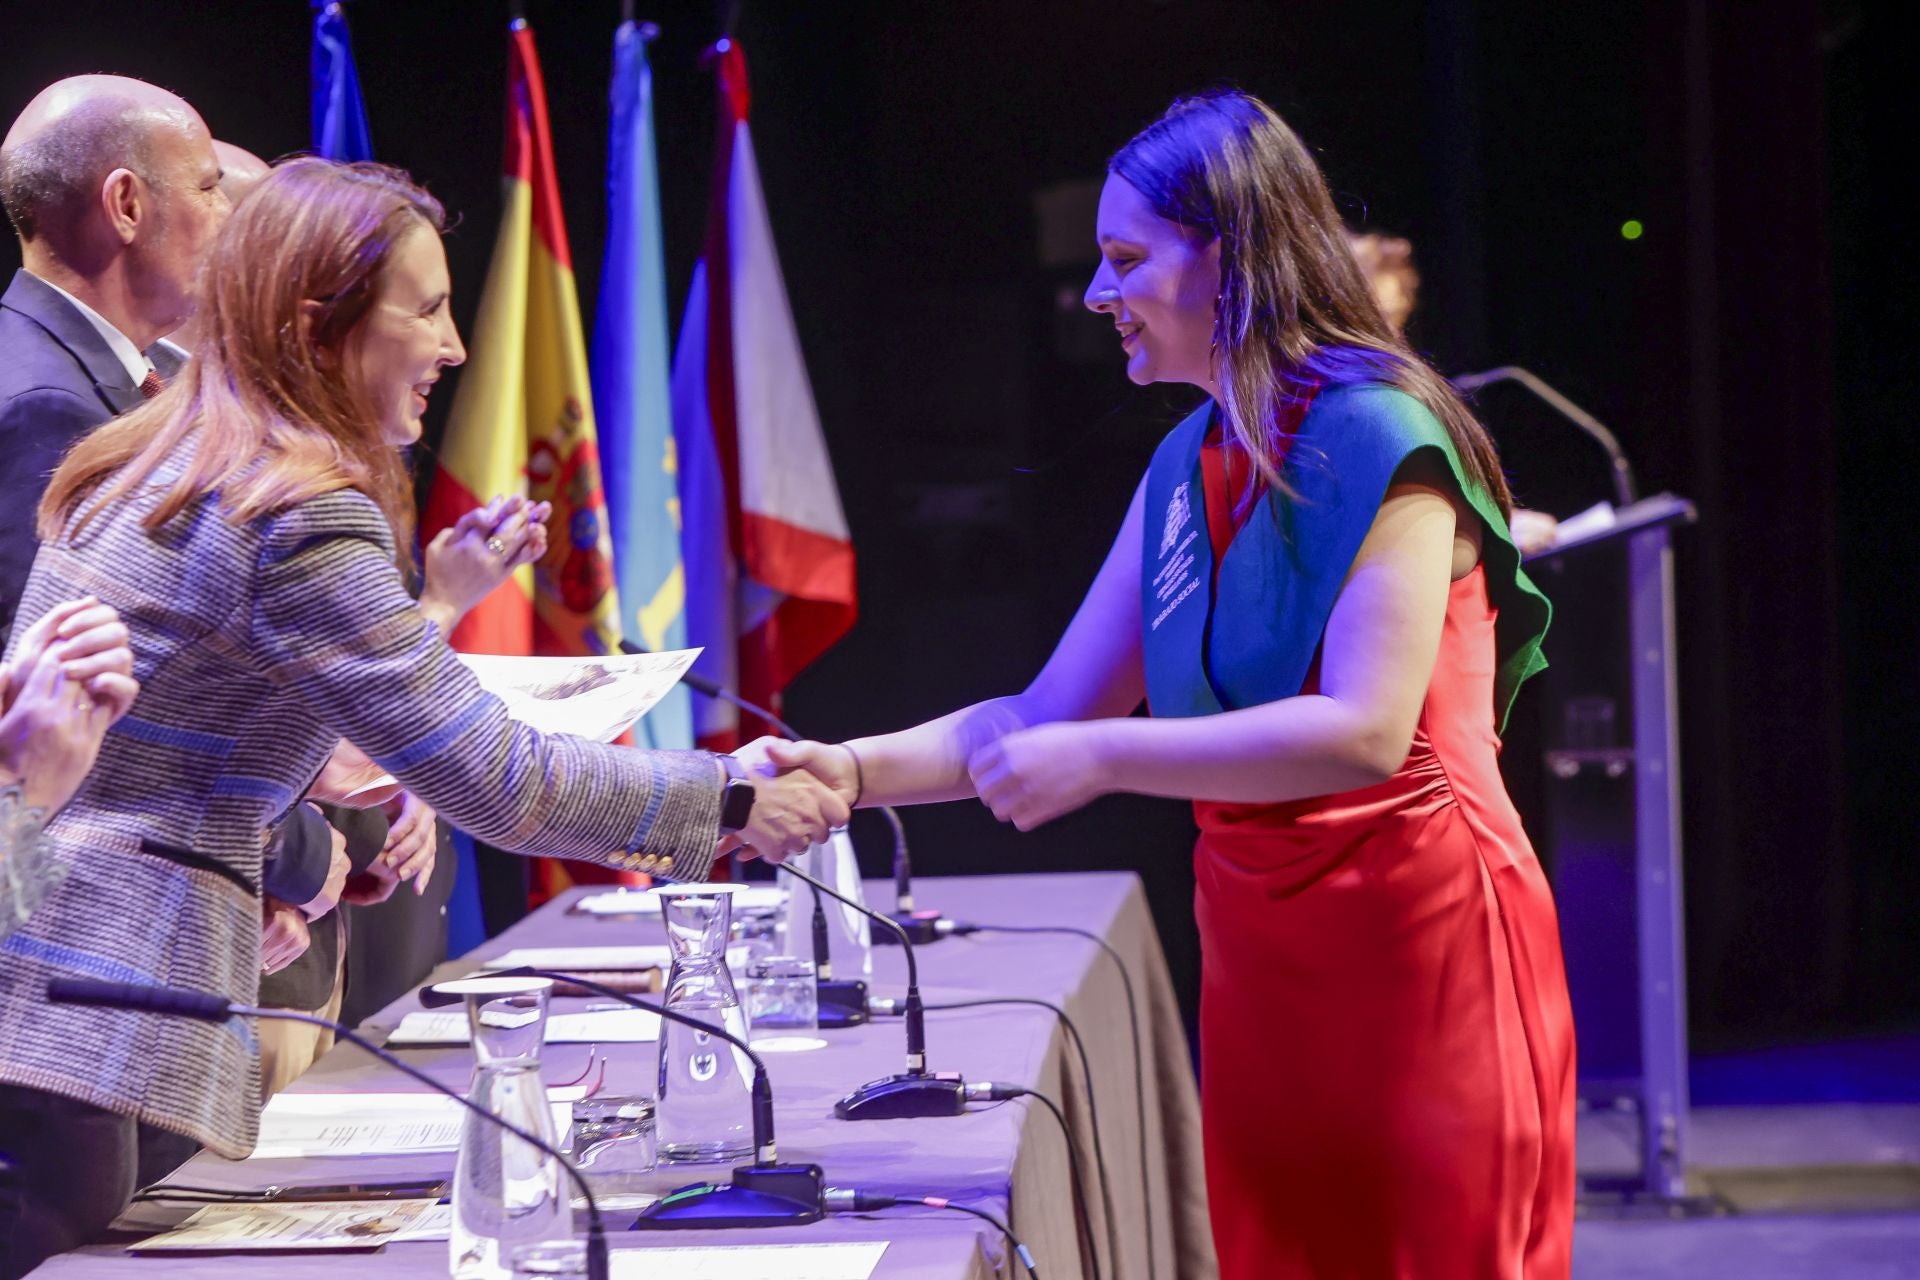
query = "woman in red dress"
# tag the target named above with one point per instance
(1386, 1044)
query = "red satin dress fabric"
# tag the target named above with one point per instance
(1387, 1052)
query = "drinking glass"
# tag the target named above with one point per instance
(614, 1143)
(782, 996)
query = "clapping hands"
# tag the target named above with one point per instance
(69, 681)
(466, 561)
(408, 854)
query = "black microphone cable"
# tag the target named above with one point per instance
(993, 1091)
(842, 1202)
(1139, 1055)
(1086, 1075)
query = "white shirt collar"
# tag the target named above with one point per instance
(120, 344)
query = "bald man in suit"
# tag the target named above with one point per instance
(113, 187)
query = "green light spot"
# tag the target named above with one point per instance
(1631, 229)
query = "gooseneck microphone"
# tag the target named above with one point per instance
(842, 1003)
(919, 927)
(914, 1092)
(720, 693)
(765, 1193)
(178, 1002)
(1623, 486)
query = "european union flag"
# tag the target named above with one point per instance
(339, 115)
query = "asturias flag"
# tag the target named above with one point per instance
(630, 393)
(522, 417)
(769, 563)
(339, 115)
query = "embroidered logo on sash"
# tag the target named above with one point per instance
(1179, 511)
(1178, 576)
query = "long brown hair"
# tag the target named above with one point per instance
(273, 417)
(1294, 311)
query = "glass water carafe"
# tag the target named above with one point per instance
(704, 1107)
(506, 1193)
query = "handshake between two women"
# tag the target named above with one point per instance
(802, 792)
(1026, 774)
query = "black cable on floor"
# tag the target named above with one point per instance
(1073, 1164)
(1093, 1106)
(1139, 1059)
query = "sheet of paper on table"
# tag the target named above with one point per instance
(306, 1125)
(641, 902)
(1594, 519)
(594, 697)
(598, 959)
(600, 1026)
(841, 1261)
(339, 1224)
(584, 959)
(434, 1223)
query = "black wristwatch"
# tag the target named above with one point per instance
(736, 801)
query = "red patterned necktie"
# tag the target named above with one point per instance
(153, 384)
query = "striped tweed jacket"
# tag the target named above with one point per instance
(256, 646)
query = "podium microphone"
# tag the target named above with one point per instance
(765, 1193)
(1623, 485)
(914, 1092)
(178, 1002)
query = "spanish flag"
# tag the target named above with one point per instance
(522, 422)
(522, 419)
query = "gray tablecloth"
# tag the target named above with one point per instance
(1008, 1158)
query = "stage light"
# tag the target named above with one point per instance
(1631, 229)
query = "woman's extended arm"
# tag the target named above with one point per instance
(1377, 660)
(1094, 671)
(331, 620)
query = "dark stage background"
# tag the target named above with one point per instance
(928, 169)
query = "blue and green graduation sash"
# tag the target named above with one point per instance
(1251, 637)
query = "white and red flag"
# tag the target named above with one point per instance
(769, 563)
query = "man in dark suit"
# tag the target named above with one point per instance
(114, 189)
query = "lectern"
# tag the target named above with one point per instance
(1612, 795)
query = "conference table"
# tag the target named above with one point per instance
(1009, 1158)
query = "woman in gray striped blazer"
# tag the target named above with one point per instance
(245, 523)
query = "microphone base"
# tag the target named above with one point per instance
(842, 1004)
(905, 1097)
(922, 927)
(775, 1195)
